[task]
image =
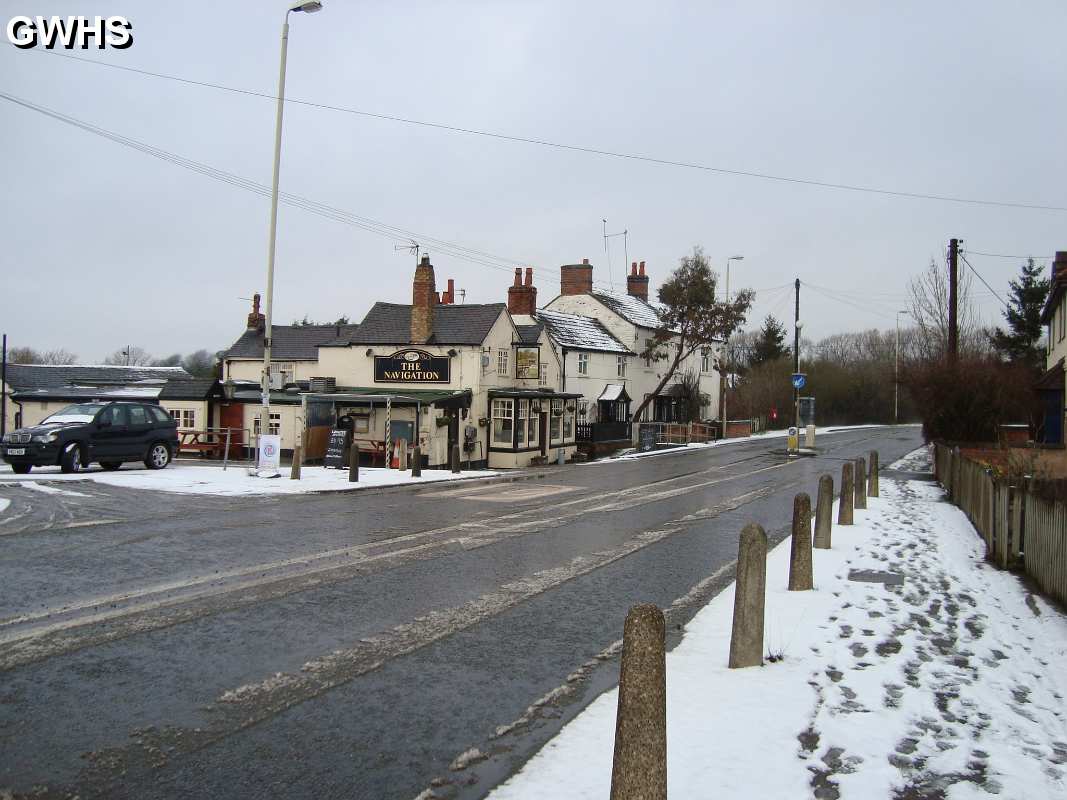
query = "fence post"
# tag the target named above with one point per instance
(750, 591)
(824, 509)
(861, 484)
(844, 509)
(872, 474)
(639, 766)
(800, 577)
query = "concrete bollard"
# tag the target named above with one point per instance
(455, 459)
(872, 475)
(750, 592)
(861, 484)
(294, 472)
(353, 463)
(416, 462)
(824, 510)
(844, 510)
(800, 577)
(639, 767)
(402, 458)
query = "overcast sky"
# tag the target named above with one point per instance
(104, 246)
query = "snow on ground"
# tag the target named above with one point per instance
(4, 503)
(189, 479)
(777, 434)
(950, 685)
(916, 461)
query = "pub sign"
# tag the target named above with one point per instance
(527, 362)
(412, 366)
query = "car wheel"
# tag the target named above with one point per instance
(111, 466)
(158, 456)
(71, 460)
(21, 469)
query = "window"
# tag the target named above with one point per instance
(542, 379)
(568, 421)
(621, 366)
(533, 428)
(503, 423)
(502, 361)
(705, 360)
(275, 424)
(138, 416)
(583, 363)
(555, 420)
(158, 414)
(185, 417)
(285, 369)
(114, 415)
(521, 414)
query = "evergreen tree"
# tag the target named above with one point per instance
(770, 342)
(1020, 343)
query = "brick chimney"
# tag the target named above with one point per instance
(256, 321)
(637, 282)
(1059, 266)
(522, 297)
(448, 297)
(576, 278)
(423, 299)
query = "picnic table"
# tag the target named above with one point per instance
(374, 447)
(209, 443)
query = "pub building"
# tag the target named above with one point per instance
(432, 372)
(510, 383)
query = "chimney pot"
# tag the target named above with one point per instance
(642, 272)
(633, 268)
(518, 276)
(529, 276)
(585, 260)
(522, 298)
(256, 320)
(451, 291)
(637, 282)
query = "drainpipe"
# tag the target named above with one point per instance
(564, 351)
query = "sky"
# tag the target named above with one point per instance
(104, 246)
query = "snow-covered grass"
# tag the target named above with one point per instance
(950, 685)
(916, 461)
(776, 434)
(188, 479)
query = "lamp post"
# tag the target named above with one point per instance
(896, 374)
(725, 374)
(264, 416)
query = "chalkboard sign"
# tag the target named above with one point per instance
(335, 450)
(646, 438)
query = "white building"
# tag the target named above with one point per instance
(1053, 384)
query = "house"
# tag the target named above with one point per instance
(431, 372)
(1053, 384)
(35, 391)
(633, 321)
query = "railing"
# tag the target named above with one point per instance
(602, 431)
(1018, 526)
(681, 433)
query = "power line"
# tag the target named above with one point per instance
(393, 232)
(578, 148)
(983, 280)
(1002, 255)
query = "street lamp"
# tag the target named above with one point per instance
(264, 416)
(896, 374)
(798, 325)
(725, 375)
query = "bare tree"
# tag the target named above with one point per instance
(27, 355)
(130, 356)
(929, 312)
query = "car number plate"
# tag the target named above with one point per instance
(16, 451)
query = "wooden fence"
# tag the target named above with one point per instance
(1019, 527)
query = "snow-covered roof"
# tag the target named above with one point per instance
(632, 309)
(576, 332)
(614, 391)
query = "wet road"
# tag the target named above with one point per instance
(353, 645)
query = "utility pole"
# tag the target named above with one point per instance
(953, 279)
(896, 374)
(796, 358)
(3, 391)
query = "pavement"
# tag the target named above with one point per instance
(159, 645)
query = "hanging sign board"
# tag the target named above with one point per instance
(412, 366)
(527, 363)
(335, 449)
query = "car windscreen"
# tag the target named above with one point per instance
(80, 412)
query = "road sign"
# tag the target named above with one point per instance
(799, 379)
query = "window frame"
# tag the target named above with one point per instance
(503, 361)
(620, 365)
(583, 363)
(498, 406)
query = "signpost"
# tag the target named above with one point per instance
(799, 379)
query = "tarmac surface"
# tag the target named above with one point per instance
(361, 646)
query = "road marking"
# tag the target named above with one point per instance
(523, 494)
(90, 523)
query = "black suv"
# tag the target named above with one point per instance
(109, 433)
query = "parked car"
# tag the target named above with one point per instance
(107, 433)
